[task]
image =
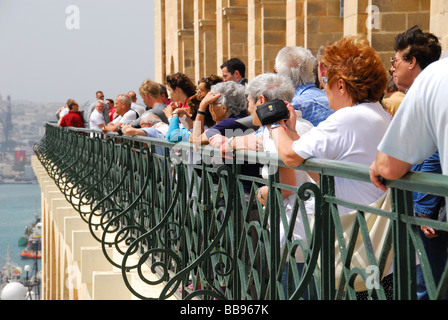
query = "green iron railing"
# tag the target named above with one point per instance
(194, 225)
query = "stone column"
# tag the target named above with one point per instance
(295, 23)
(204, 38)
(231, 31)
(439, 21)
(266, 34)
(159, 41)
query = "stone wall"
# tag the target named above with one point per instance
(74, 266)
(197, 36)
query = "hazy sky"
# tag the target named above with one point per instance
(45, 58)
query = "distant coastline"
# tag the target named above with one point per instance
(12, 181)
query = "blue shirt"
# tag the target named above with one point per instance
(154, 133)
(175, 133)
(428, 204)
(228, 127)
(313, 103)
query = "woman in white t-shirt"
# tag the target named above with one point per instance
(354, 81)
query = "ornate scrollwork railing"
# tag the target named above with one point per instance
(198, 229)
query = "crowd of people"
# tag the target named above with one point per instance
(343, 104)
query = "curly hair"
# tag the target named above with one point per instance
(194, 102)
(210, 81)
(425, 47)
(181, 80)
(353, 60)
(232, 96)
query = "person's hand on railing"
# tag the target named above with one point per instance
(262, 194)
(375, 177)
(217, 141)
(247, 142)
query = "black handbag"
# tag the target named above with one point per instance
(272, 112)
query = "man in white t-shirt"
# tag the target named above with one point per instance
(96, 121)
(88, 111)
(418, 128)
(125, 114)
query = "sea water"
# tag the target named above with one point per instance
(20, 204)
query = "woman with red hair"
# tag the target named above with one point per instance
(354, 80)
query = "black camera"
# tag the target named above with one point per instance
(272, 111)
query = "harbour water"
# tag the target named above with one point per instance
(19, 206)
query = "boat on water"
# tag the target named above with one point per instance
(23, 240)
(33, 248)
(30, 231)
(11, 285)
(10, 271)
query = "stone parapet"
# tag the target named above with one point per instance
(73, 263)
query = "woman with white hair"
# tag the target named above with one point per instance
(227, 103)
(262, 89)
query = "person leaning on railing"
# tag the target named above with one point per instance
(227, 104)
(73, 118)
(414, 51)
(175, 132)
(262, 89)
(354, 81)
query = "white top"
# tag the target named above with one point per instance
(63, 112)
(419, 127)
(96, 119)
(302, 126)
(128, 117)
(351, 134)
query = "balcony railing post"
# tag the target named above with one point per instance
(274, 222)
(237, 220)
(328, 279)
(404, 252)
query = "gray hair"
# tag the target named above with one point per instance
(232, 96)
(271, 86)
(150, 118)
(98, 103)
(126, 99)
(297, 63)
